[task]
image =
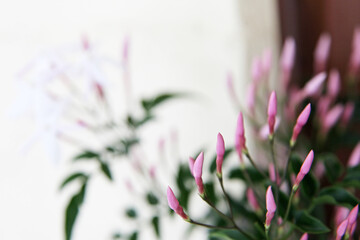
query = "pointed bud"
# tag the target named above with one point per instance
(334, 84)
(152, 172)
(354, 159)
(272, 174)
(272, 111)
(340, 231)
(287, 60)
(321, 53)
(300, 122)
(191, 165)
(197, 171)
(264, 130)
(323, 106)
(174, 204)
(252, 199)
(347, 114)
(341, 214)
(332, 117)
(220, 151)
(304, 236)
(270, 207)
(240, 136)
(353, 215)
(305, 168)
(352, 228)
(99, 91)
(313, 86)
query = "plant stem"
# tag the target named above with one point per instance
(247, 154)
(293, 191)
(252, 185)
(267, 233)
(276, 172)
(286, 166)
(231, 219)
(209, 226)
(226, 197)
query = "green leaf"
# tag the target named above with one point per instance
(352, 174)
(254, 175)
(128, 143)
(156, 226)
(135, 123)
(324, 199)
(306, 223)
(133, 236)
(152, 199)
(87, 154)
(185, 183)
(309, 185)
(340, 195)
(72, 211)
(210, 191)
(333, 166)
(117, 236)
(78, 175)
(226, 235)
(131, 213)
(106, 170)
(227, 153)
(149, 104)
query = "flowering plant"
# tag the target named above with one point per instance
(296, 185)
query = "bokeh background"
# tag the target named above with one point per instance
(187, 46)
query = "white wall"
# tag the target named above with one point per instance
(175, 45)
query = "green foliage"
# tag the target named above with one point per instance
(87, 154)
(306, 223)
(151, 198)
(72, 210)
(254, 175)
(156, 226)
(333, 167)
(131, 213)
(150, 103)
(78, 175)
(340, 195)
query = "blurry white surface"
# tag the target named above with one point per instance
(175, 45)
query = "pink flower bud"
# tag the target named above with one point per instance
(353, 215)
(332, 117)
(300, 122)
(220, 151)
(197, 172)
(152, 172)
(174, 204)
(313, 86)
(287, 60)
(340, 231)
(272, 111)
(266, 61)
(256, 70)
(270, 206)
(323, 106)
(252, 199)
(304, 236)
(191, 165)
(352, 228)
(240, 136)
(85, 42)
(347, 114)
(272, 174)
(354, 159)
(305, 168)
(321, 53)
(334, 84)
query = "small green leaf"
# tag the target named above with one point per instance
(106, 170)
(156, 226)
(151, 198)
(227, 235)
(78, 175)
(149, 104)
(324, 199)
(210, 191)
(333, 167)
(117, 236)
(87, 154)
(340, 195)
(309, 185)
(306, 223)
(72, 211)
(133, 236)
(131, 213)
